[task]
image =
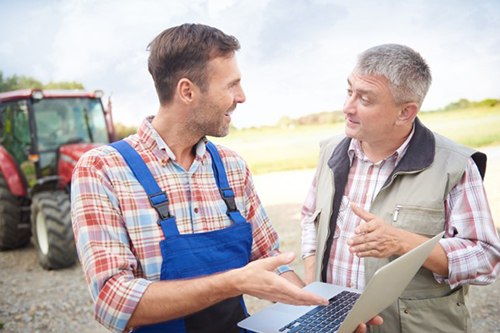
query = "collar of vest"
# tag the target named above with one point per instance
(419, 155)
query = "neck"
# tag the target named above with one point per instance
(176, 135)
(379, 150)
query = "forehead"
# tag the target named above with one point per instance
(374, 84)
(223, 68)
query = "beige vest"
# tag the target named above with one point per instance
(412, 199)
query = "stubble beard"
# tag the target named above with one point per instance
(209, 120)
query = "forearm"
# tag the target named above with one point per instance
(168, 300)
(310, 269)
(292, 277)
(437, 261)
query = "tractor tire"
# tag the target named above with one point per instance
(52, 230)
(15, 229)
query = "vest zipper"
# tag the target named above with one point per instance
(396, 213)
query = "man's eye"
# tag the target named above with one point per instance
(364, 100)
(349, 92)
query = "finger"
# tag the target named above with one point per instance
(272, 263)
(377, 321)
(286, 292)
(357, 240)
(361, 328)
(362, 247)
(363, 214)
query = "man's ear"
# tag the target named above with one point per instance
(186, 91)
(407, 113)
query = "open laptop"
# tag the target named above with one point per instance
(348, 307)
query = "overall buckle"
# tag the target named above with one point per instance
(227, 195)
(160, 201)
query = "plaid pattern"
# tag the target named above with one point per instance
(115, 226)
(473, 253)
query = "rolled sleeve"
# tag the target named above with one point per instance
(307, 222)
(103, 247)
(471, 244)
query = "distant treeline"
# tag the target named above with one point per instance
(15, 82)
(330, 117)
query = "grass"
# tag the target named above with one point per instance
(273, 149)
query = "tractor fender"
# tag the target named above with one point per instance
(11, 174)
(68, 157)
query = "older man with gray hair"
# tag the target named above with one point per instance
(390, 185)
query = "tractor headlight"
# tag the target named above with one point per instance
(98, 94)
(37, 94)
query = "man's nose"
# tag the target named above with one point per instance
(349, 106)
(240, 97)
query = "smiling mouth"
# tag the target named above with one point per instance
(230, 111)
(351, 122)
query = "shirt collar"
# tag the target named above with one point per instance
(154, 142)
(356, 150)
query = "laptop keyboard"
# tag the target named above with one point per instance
(324, 318)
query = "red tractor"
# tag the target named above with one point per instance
(42, 136)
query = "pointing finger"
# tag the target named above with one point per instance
(363, 214)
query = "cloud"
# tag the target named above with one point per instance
(295, 55)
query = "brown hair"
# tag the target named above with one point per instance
(183, 52)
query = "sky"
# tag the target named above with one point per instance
(295, 57)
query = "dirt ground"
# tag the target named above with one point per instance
(35, 300)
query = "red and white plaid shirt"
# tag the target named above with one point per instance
(473, 254)
(115, 226)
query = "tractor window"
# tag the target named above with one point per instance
(62, 121)
(15, 134)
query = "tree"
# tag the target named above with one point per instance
(26, 82)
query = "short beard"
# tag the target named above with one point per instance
(206, 124)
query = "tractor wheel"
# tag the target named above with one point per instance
(14, 220)
(52, 230)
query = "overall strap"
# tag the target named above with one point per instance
(226, 192)
(157, 197)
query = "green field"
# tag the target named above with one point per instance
(277, 149)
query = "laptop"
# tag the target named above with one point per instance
(348, 307)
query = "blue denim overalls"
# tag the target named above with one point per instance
(200, 254)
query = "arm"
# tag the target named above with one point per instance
(309, 234)
(124, 299)
(470, 253)
(376, 238)
(166, 300)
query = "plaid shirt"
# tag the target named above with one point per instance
(473, 254)
(115, 226)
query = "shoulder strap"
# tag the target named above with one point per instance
(225, 190)
(157, 197)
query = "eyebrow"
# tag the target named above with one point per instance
(361, 91)
(234, 81)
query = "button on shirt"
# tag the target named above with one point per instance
(116, 228)
(472, 254)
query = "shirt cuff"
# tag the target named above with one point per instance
(116, 314)
(282, 269)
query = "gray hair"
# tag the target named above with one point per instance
(405, 69)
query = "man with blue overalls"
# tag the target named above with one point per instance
(168, 226)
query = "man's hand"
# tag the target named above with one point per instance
(259, 279)
(375, 321)
(375, 238)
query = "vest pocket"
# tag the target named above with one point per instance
(418, 219)
(448, 314)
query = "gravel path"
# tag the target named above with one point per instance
(35, 300)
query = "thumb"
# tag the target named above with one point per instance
(279, 260)
(363, 214)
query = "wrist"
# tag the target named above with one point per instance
(234, 280)
(402, 241)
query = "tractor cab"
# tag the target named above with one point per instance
(42, 136)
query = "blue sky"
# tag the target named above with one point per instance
(295, 56)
